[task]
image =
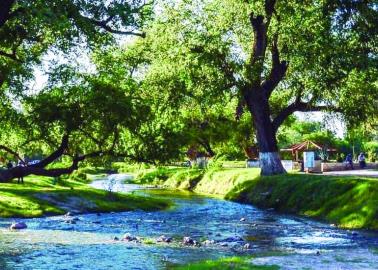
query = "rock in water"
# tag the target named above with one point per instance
(188, 241)
(242, 219)
(18, 226)
(164, 239)
(247, 246)
(128, 237)
(208, 242)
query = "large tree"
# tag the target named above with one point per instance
(279, 57)
(82, 118)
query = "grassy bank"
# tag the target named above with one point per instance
(348, 202)
(39, 196)
(233, 263)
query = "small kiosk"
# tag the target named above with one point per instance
(309, 162)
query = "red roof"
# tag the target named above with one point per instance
(308, 145)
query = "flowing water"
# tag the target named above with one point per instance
(287, 241)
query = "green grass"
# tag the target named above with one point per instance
(221, 181)
(348, 202)
(39, 197)
(232, 263)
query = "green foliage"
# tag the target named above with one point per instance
(123, 167)
(156, 176)
(371, 149)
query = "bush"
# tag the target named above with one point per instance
(123, 167)
(79, 175)
(371, 149)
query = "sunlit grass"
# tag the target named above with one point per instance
(233, 263)
(38, 196)
(349, 202)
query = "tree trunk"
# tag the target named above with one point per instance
(258, 105)
(5, 10)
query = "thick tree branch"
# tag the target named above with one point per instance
(278, 70)
(53, 156)
(104, 25)
(299, 106)
(5, 10)
(260, 25)
(12, 152)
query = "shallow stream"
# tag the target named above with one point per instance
(287, 241)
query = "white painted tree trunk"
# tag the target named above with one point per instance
(270, 163)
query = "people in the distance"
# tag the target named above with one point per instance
(20, 179)
(349, 161)
(9, 165)
(362, 160)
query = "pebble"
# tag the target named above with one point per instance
(128, 237)
(208, 242)
(70, 221)
(18, 226)
(247, 246)
(164, 239)
(242, 219)
(188, 241)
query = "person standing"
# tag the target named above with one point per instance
(362, 160)
(349, 161)
(20, 178)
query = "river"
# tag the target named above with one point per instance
(288, 241)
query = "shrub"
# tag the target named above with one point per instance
(371, 149)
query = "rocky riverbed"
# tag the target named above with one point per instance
(197, 228)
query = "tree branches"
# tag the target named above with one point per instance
(104, 25)
(260, 25)
(12, 152)
(278, 69)
(299, 106)
(56, 154)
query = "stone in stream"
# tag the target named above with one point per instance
(247, 246)
(242, 219)
(70, 221)
(129, 238)
(115, 238)
(164, 239)
(189, 241)
(208, 242)
(233, 239)
(18, 226)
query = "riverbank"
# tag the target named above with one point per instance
(40, 196)
(349, 202)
